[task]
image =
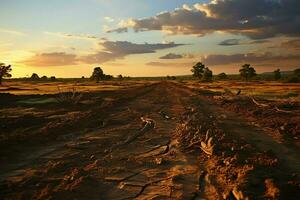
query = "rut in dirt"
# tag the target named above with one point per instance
(165, 161)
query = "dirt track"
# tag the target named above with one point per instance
(91, 165)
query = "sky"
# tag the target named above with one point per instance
(68, 38)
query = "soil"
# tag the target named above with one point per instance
(103, 150)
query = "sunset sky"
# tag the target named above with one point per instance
(68, 38)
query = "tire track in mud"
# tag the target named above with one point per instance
(14, 162)
(86, 153)
(150, 167)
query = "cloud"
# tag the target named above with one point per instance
(256, 19)
(109, 19)
(72, 36)
(259, 41)
(52, 59)
(234, 42)
(172, 56)
(291, 44)
(219, 59)
(111, 50)
(168, 64)
(230, 42)
(176, 56)
(119, 49)
(7, 31)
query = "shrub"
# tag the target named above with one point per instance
(70, 97)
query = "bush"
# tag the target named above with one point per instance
(71, 97)
(293, 79)
(52, 78)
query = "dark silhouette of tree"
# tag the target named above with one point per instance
(295, 77)
(34, 77)
(44, 78)
(247, 72)
(277, 74)
(4, 71)
(98, 74)
(198, 70)
(120, 77)
(222, 76)
(297, 72)
(53, 78)
(171, 77)
(108, 77)
(207, 75)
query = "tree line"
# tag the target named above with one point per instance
(246, 72)
(199, 70)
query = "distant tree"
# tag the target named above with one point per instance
(297, 72)
(83, 77)
(277, 74)
(53, 78)
(207, 75)
(108, 77)
(34, 77)
(247, 72)
(120, 77)
(171, 77)
(4, 71)
(295, 77)
(198, 70)
(44, 78)
(222, 76)
(98, 74)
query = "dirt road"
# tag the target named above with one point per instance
(155, 165)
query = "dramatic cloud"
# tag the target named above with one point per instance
(111, 51)
(234, 60)
(248, 58)
(234, 42)
(72, 36)
(120, 49)
(292, 44)
(172, 56)
(256, 19)
(51, 59)
(176, 56)
(230, 42)
(259, 41)
(169, 64)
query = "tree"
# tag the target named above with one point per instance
(53, 78)
(44, 78)
(120, 77)
(4, 71)
(108, 77)
(297, 72)
(207, 75)
(247, 72)
(34, 77)
(277, 74)
(222, 76)
(198, 70)
(295, 77)
(98, 74)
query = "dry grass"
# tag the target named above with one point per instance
(70, 97)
